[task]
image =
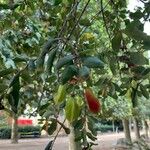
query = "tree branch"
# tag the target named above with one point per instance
(105, 23)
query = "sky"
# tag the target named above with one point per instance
(133, 4)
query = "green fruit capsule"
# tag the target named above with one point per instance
(61, 94)
(72, 109)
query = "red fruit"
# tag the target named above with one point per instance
(92, 101)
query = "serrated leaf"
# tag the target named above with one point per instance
(68, 73)
(93, 62)
(84, 72)
(72, 110)
(50, 60)
(116, 41)
(64, 61)
(138, 58)
(144, 91)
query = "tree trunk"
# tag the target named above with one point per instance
(14, 129)
(126, 130)
(146, 128)
(136, 129)
(130, 125)
(113, 126)
(73, 145)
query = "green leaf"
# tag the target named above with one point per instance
(138, 58)
(116, 41)
(136, 15)
(85, 22)
(113, 65)
(68, 73)
(84, 72)
(79, 124)
(91, 125)
(57, 2)
(93, 62)
(146, 72)
(144, 91)
(50, 60)
(61, 94)
(138, 69)
(64, 61)
(52, 126)
(6, 72)
(13, 97)
(79, 136)
(31, 65)
(20, 58)
(3, 87)
(26, 76)
(72, 110)
(40, 62)
(90, 136)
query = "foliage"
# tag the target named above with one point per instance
(5, 132)
(48, 45)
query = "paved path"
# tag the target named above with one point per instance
(105, 142)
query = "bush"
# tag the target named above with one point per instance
(103, 128)
(5, 132)
(29, 129)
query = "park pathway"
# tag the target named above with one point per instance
(105, 142)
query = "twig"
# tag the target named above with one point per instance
(77, 21)
(93, 18)
(66, 19)
(57, 133)
(103, 15)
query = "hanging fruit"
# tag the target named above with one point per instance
(93, 103)
(61, 94)
(72, 109)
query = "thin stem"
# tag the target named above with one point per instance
(93, 18)
(67, 18)
(105, 23)
(77, 21)
(58, 133)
